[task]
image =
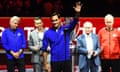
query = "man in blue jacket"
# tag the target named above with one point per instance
(58, 37)
(14, 42)
(88, 47)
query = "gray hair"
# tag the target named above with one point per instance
(14, 18)
(109, 16)
(87, 23)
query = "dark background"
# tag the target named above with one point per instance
(43, 8)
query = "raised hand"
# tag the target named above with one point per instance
(77, 7)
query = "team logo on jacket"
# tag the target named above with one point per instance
(61, 33)
(114, 35)
(19, 34)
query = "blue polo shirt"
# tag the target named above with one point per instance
(59, 41)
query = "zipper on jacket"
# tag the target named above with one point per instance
(109, 42)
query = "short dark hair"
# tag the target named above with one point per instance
(37, 18)
(76, 1)
(55, 13)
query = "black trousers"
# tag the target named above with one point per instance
(113, 64)
(12, 64)
(61, 66)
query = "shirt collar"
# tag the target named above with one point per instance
(110, 29)
(37, 30)
(90, 35)
(56, 29)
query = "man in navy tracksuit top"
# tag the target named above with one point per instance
(58, 38)
(13, 41)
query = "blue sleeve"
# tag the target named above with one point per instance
(4, 41)
(23, 40)
(72, 24)
(45, 42)
(80, 48)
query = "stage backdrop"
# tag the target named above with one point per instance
(27, 24)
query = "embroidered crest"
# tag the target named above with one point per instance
(19, 34)
(61, 33)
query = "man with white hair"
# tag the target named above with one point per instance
(88, 47)
(110, 46)
(14, 42)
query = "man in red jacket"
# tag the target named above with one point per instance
(110, 46)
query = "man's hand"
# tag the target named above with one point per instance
(36, 48)
(95, 53)
(46, 67)
(90, 52)
(77, 7)
(16, 54)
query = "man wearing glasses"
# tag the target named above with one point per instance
(58, 37)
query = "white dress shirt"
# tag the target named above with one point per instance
(89, 43)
